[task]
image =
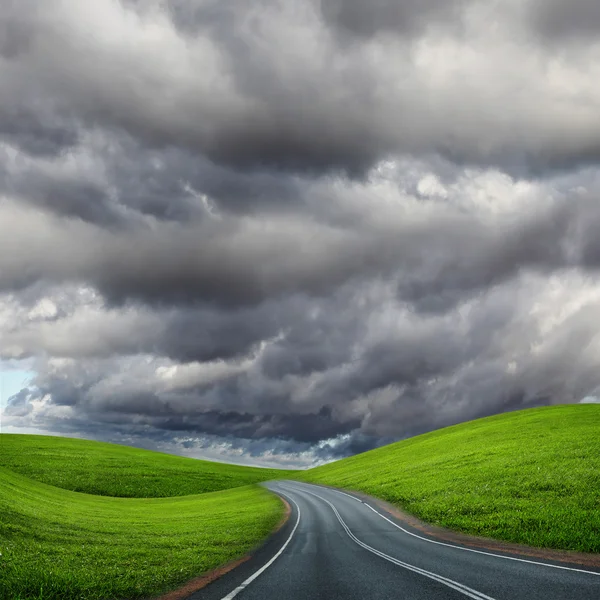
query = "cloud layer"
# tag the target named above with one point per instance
(282, 232)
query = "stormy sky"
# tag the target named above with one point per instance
(286, 231)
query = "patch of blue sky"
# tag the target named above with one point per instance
(13, 379)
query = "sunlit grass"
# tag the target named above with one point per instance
(59, 544)
(530, 476)
(63, 545)
(112, 470)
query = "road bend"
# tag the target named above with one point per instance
(337, 546)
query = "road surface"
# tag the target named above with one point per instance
(336, 546)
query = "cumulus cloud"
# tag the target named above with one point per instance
(224, 90)
(282, 232)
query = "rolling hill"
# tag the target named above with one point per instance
(530, 476)
(113, 470)
(61, 545)
(58, 543)
(90, 521)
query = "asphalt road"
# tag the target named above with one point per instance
(335, 546)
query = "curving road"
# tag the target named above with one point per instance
(335, 546)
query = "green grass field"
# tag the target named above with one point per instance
(112, 470)
(56, 543)
(530, 476)
(63, 545)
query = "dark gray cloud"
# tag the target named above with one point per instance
(244, 261)
(556, 20)
(283, 232)
(19, 405)
(400, 16)
(36, 134)
(320, 106)
(374, 373)
(115, 182)
(552, 19)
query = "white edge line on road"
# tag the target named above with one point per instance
(455, 585)
(524, 560)
(256, 574)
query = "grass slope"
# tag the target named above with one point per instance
(112, 470)
(531, 476)
(62, 545)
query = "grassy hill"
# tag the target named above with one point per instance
(61, 545)
(531, 476)
(112, 470)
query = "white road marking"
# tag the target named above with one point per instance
(455, 585)
(532, 562)
(256, 574)
(349, 496)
